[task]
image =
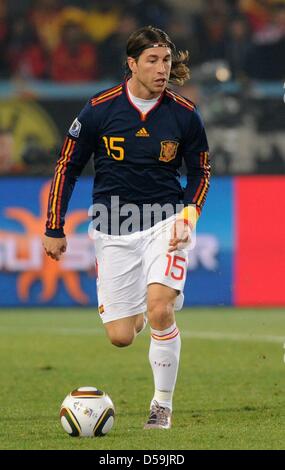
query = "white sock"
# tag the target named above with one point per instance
(164, 354)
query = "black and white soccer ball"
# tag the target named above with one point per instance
(87, 412)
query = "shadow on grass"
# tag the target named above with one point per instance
(246, 409)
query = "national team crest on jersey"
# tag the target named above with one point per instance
(168, 150)
(101, 309)
(75, 128)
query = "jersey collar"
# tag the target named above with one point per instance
(143, 116)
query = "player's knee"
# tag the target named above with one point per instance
(121, 340)
(160, 314)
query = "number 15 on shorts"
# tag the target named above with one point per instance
(175, 268)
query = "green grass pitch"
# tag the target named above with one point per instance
(230, 391)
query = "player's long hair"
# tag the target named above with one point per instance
(144, 38)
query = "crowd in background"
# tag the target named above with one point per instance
(80, 41)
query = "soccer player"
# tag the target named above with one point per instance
(139, 133)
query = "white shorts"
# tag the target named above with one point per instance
(127, 264)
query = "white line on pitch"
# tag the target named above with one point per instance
(216, 336)
(203, 335)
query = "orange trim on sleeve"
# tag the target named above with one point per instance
(58, 183)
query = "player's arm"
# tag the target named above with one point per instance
(76, 151)
(196, 157)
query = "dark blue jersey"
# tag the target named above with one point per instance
(136, 156)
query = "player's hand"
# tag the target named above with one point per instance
(54, 247)
(180, 235)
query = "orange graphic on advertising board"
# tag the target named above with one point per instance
(50, 272)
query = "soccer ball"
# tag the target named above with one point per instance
(87, 412)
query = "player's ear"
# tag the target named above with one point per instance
(132, 64)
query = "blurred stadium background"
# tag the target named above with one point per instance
(55, 54)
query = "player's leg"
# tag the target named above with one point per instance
(122, 332)
(120, 288)
(164, 353)
(166, 278)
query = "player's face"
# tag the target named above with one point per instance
(152, 70)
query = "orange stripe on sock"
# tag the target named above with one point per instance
(171, 335)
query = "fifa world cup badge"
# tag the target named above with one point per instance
(75, 128)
